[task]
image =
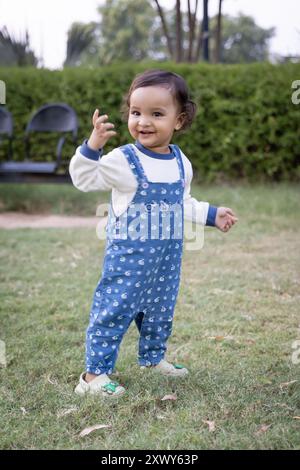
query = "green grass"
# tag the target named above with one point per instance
(49, 198)
(236, 319)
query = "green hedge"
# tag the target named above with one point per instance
(246, 125)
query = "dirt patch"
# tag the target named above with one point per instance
(12, 220)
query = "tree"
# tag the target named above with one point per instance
(243, 40)
(196, 41)
(137, 30)
(81, 39)
(16, 51)
(128, 31)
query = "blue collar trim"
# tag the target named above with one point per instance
(161, 156)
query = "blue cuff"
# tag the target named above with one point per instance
(211, 216)
(90, 153)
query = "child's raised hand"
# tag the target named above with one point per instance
(225, 219)
(101, 132)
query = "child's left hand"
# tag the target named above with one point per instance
(225, 219)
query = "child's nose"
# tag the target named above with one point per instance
(144, 121)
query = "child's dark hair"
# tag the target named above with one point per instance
(175, 83)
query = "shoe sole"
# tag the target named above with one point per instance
(166, 374)
(101, 393)
(172, 375)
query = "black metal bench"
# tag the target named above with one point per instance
(55, 117)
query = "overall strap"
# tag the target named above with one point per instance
(134, 163)
(177, 153)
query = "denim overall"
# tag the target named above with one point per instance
(141, 271)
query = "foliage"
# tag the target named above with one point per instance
(15, 51)
(246, 126)
(81, 38)
(126, 30)
(137, 30)
(243, 41)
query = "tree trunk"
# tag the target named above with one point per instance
(199, 42)
(205, 31)
(218, 37)
(192, 26)
(178, 32)
(165, 29)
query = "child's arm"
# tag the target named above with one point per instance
(199, 212)
(90, 170)
(202, 212)
(101, 133)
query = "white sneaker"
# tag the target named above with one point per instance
(101, 385)
(166, 368)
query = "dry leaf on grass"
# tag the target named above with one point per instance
(66, 412)
(172, 396)
(247, 317)
(250, 341)
(218, 291)
(296, 417)
(211, 425)
(221, 338)
(263, 428)
(90, 429)
(51, 381)
(286, 384)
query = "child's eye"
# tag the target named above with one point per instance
(157, 113)
(135, 113)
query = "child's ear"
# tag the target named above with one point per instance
(180, 121)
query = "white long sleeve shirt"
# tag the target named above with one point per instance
(90, 170)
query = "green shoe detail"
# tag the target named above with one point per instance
(110, 387)
(178, 366)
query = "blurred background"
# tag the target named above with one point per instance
(240, 58)
(60, 33)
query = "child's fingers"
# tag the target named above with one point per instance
(233, 218)
(111, 133)
(230, 212)
(100, 121)
(107, 125)
(95, 116)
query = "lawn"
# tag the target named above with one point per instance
(236, 323)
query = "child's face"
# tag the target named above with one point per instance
(153, 117)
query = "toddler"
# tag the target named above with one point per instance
(142, 263)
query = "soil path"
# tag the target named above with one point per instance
(12, 220)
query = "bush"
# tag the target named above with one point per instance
(246, 125)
